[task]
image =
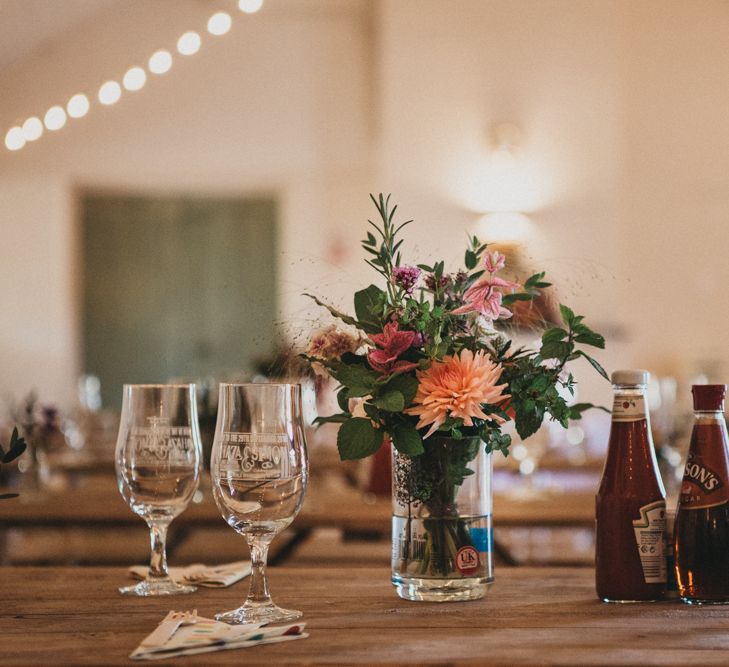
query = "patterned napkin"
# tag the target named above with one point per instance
(213, 576)
(206, 635)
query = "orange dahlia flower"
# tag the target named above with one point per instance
(457, 387)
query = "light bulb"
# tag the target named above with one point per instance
(14, 139)
(135, 78)
(189, 43)
(250, 6)
(109, 93)
(78, 106)
(219, 23)
(32, 129)
(55, 118)
(160, 62)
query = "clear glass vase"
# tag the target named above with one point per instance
(441, 521)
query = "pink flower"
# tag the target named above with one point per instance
(406, 277)
(457, 387)
(393, 343)
(494, 262)
(485, 297)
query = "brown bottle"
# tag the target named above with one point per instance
(702, 519)
(630, 548)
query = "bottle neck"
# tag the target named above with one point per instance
(709, 417)
(629, 403)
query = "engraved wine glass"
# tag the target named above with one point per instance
(259, 471)
(158, 463)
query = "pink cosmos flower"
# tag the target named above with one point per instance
(393, 343)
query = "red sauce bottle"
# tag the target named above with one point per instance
(630, 548)
(702, 519)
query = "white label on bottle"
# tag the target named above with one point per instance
(628, 408)
(650, 535)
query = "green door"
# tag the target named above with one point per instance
(176, 287)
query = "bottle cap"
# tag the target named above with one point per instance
(708, 397)
(630, 377)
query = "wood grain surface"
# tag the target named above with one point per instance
(531, 616)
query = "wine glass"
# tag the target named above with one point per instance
(158, 459)
(259, 471)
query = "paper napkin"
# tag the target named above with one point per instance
(208, 635)
(213, 576)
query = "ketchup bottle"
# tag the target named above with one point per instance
(702, 518)
(630, 549)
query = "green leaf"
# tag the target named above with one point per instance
(343, 400)
(577, 409)
(407, 385)
(471, 260)
(358, 391)
(357, 438)
(592, 338)
(369, 305)
(554, 335)
(594, 363)
(517, 296)
(407, 440)
(528, 421)
(355, 376)
(17, 447)
(567, 315)
(554, 350)
(332, 419)
(392, 401)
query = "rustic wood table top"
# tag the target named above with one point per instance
(74, 616)
(329, 502)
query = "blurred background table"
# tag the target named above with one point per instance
(89, 523)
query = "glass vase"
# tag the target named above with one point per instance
(441, 521)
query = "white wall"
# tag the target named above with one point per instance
(625, 150)
(276, 106)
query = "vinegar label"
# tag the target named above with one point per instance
(628, 408)
(702, 484)
(650, 536)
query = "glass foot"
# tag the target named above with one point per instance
(258, 613)
(150, 587)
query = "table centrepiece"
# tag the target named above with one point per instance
(428, 363)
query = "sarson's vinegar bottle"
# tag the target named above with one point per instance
(702, 518)
(630, 547)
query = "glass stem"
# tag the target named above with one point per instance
(158, 559)
(258, 593)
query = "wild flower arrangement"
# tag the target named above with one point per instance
(428, 359)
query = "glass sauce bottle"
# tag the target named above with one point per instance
(702, 519)
(630, 549)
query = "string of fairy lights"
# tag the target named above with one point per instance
(134, 79)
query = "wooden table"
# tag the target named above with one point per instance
(75, 616)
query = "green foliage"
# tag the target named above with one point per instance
(357, 438)
(537, 380)
(369, 306)
(16, 447)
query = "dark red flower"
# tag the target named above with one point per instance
(393, 343)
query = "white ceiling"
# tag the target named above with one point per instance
(27, 25)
